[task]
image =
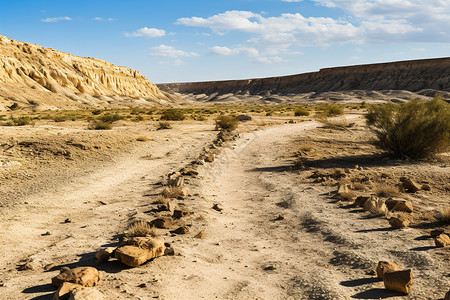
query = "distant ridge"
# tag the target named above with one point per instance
(423, 77)
(49, 78)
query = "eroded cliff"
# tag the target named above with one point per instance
(52, 79)
(403, 80)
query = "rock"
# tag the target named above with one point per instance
(85, 294)
(164, 223)
(209, 158)
(447, 296)
(217, 207)
(399, 222)
(181, 230)
(442, 240)
(85, 276)
(244, 118)
(105, 253)
(25, 267)
(168, 206)
(375, 206)
(398, 281)
(175, 179)
(359, 202)
(410, 185)
(200, 235)
(169, 251)
(434, 233)
(63, 292)
(426, 187)
(343, 188)
(179, 213)
(189, 171)
(67, 220)
(139, 250)
(399, 205)
(386, 267)
(48, 267)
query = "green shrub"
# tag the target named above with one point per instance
(226, 123)
(414, 130)
(96, 112)
(59, 118)
(110, 118)
(19, 121)
(100, 125)
(173, 114)
(331, 110)
(301, 112)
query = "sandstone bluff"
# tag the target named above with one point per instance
(386, 81)
(36, 76)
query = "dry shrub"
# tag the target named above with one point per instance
(142, 139)
(359, 186)
(305, 148)
(445, 216)
(161, 199)
(99, 125)
(141, 228)
(341, 124)
(173, 114)
(226, 123)
(416, 129)
(164, 125)
(386, 190)
(301, 112)
(347, 196)
(331, 110)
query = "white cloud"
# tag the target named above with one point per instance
(169, 51)
(225, 51)
(268, 60)
(147, 32)
(57, 19)
(100, 19)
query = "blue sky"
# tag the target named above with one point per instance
(179, 40)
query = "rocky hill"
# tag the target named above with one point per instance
(31, 75)
(386, 81)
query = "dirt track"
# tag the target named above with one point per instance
(318, 251)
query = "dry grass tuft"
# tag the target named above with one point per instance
(359, 186)
(141, 228)
(386, 190)
(162, 200)
(347, 196)
(445, 216)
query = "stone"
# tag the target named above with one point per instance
(434, 233)
(181, 230)
(168, 206)
(179, 213)
(105, 253)
(85, 294)
(138, 250)
(175, 179)
(399, 222)
(164, 223)
(426, 187)
(447, 296)
(63, 292)
(442, 241)
(209, 158)
(410, 185)
(399, 205)
(398, 281)
(25, 267)
(387, 267)
(85, 276)
(375, 206)
(189, 171)
(243, 118)
(201, 235)
(359, 202)
(217, 207)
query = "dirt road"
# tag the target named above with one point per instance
(275, 238)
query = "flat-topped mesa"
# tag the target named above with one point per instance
(412, 76)
(25, 66)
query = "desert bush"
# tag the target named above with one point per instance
(416, 129)
(445, 216)
(301, 112)
(96, 112)
(386, 190)
(164, 125)
(331, 110)
(19, 121)
(173, 114)
(226, 123)
(99, 125)
(110, 118)
(59, 118)
(141, 228)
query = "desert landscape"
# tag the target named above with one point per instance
(113, 187)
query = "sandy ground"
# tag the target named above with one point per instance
(319, 249)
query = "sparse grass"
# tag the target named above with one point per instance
(141, 228)
(301, 112)
(340, 124)
(386, 190)
(414, 130)
(359, 186)
(142, 139)
(161, 199)
(173, 114)
(331, 110)
(99, 125)
(164, 125)
(20, 121)
(96, 112)
(110, 118)
(226, 123)
(58, 119)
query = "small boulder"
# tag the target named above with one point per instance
(217, 207)
(201, 235)
(434, 233)
(85, 276)
(399, 205)
(105, 253)
(179, 213)
(84, 293)
(64, 290)
(375, 206)
(410, 185)
(442, 240)
(387, 267)
(209, 158)
(164, 223)
(181, 230)
(175, 179)
(139, 250)
(398, 281)
(447, 296)
(399, 222)
(426, 187)
(359, 202)
(243, 118)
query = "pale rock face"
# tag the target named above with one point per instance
(28, 72)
